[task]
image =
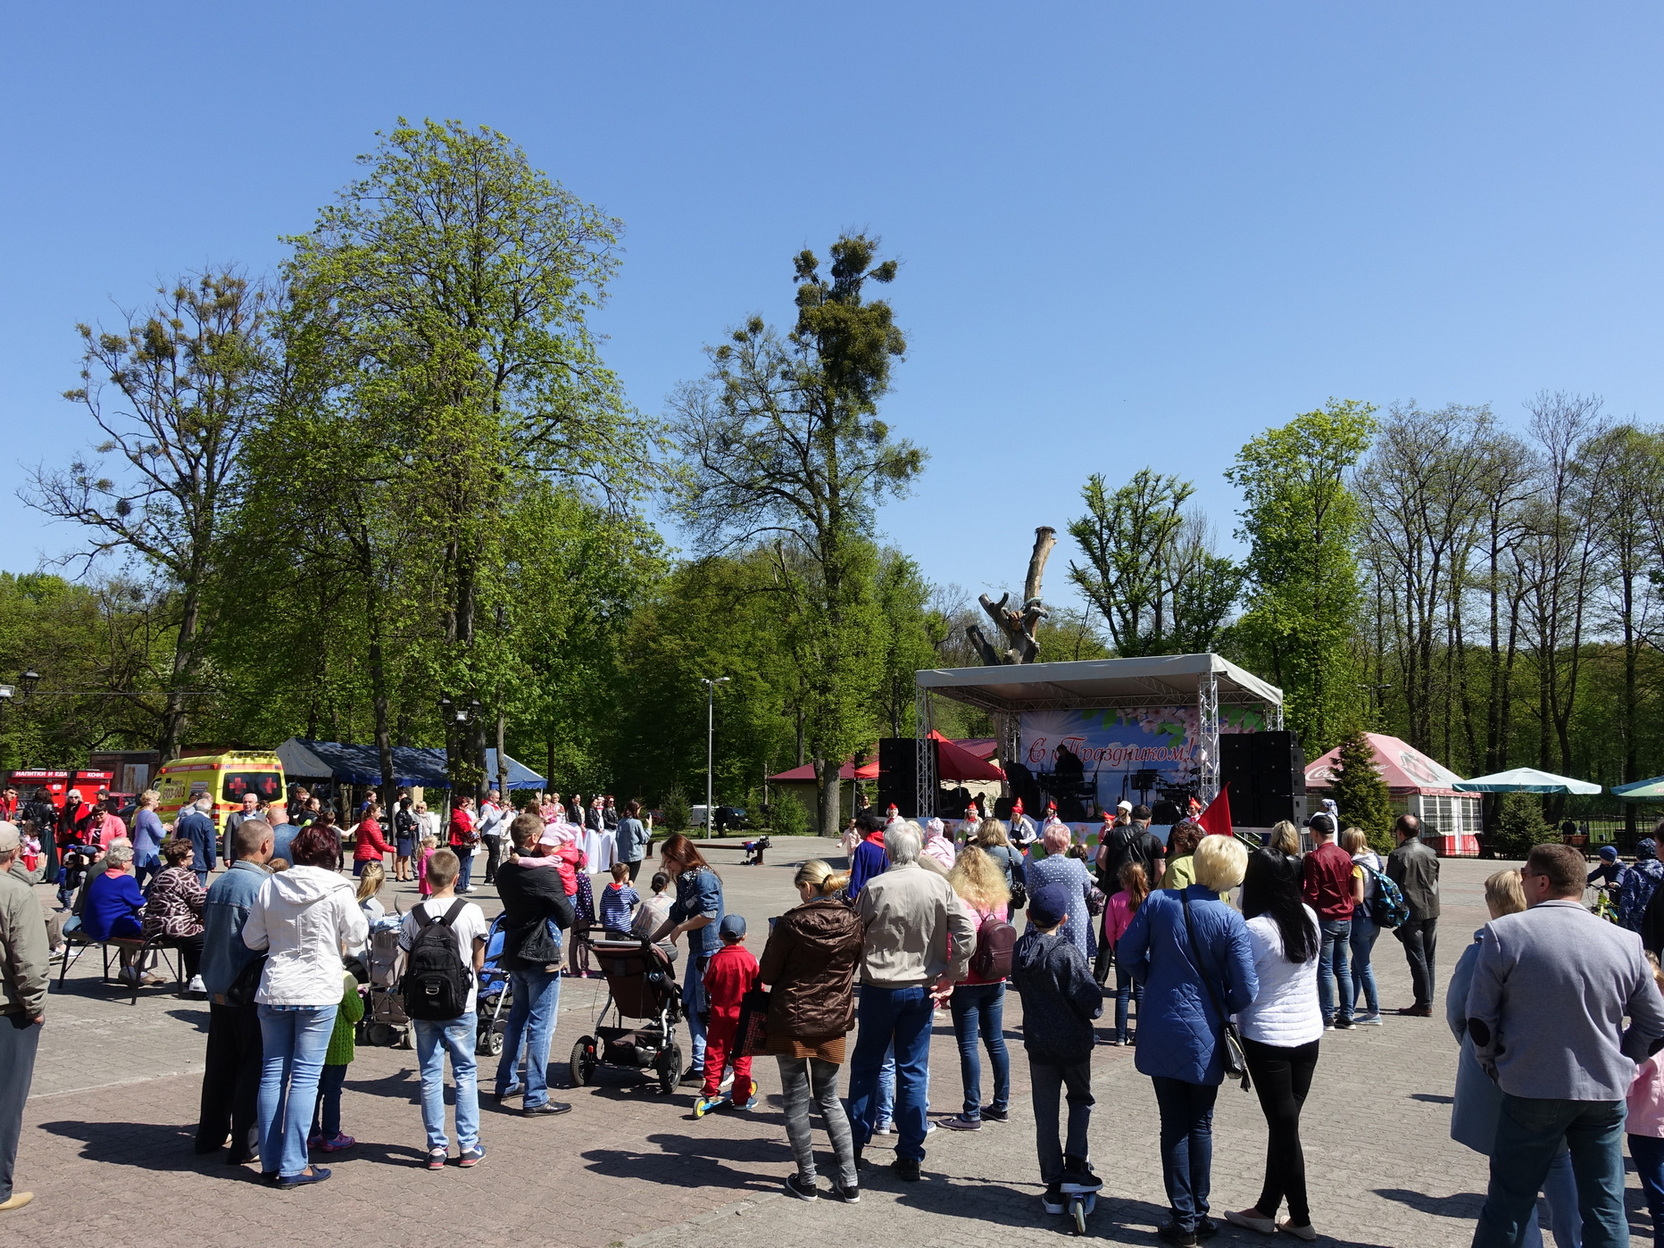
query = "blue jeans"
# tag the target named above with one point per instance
(979, 1014)
(531, 1025)
(1529, 1133)
(693, 1003)
(1126, 990)
(292, 1046)
(1332, 969)
(146, 871)
(1187, 1147)
(326, 1119)
(434, 1040)
(901, 1016)
(1648, 1153)
(465, 854)
(1364, 932)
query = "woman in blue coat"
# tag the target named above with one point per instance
(1180, 1026)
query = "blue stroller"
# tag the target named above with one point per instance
(496, 995)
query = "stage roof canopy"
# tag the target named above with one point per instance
(1159, 680)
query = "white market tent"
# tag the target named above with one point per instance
(1206, 680)
(1525, 780)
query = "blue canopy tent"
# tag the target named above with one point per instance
(361, 764)
(1525, 780)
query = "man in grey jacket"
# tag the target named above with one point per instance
(918, 942)
(22, 1006)
(1546, 1013)
(1414, 867)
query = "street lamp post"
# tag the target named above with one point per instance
(710, 742)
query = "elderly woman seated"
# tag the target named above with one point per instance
(173, 910)
(111, 903)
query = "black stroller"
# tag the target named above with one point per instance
(641, 985)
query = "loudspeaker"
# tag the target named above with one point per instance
(1267, 775)
(898, 776)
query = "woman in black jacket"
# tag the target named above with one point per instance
(809, 964)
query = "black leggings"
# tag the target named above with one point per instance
(1282, 1077)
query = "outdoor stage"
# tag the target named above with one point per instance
(1088, 733)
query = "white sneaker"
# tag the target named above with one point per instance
(1367, 1020)
(196, 988)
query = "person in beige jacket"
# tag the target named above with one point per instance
(22, 1006)
(917, 943)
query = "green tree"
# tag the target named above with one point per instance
(174, 392)
(1150, 570)
(1303, 523)
(782, 445)
(442, 301)
(1359, 791)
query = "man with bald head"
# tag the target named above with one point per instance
(231, 1074)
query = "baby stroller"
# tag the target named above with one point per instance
(496, 995)
(641, 984)
(754, 851)
(384, 1021)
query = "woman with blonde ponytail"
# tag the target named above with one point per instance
(809, 965)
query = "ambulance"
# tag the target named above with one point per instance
(225, 776)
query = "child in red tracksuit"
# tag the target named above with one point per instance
(730, 974)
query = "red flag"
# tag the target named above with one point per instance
(1216, 819)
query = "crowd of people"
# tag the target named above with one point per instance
(1229, 963)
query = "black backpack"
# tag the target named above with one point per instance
(435, 983)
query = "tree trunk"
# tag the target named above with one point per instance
(827, 798)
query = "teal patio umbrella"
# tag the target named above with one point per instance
(1642, 790)
(1524, 780)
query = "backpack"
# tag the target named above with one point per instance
(435, 983)
(991, 960)
(1387, 907)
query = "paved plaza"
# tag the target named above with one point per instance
(107, 1140)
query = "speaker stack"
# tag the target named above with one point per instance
(1267, 775)
(898, 775)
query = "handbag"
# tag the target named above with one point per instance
(247, 983)
(751, 1036)
(1234, 1058)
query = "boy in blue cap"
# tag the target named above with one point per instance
(1060, 1000)
(731, 973)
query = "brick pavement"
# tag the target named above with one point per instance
(106, 1146)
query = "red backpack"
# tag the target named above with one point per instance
(995, 939)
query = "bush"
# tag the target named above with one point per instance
(788, 816)
(677, 810)
(1518, 825)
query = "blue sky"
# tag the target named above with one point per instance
(1130, 234)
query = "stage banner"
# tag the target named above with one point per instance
(1088, 761)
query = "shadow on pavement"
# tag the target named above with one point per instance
(689, 1161)
(147, 1145)
(196, 1018)
(1464, 1205)
(1432, 1098)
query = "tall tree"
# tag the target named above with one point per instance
(1560, 558)
(1150, 568)
(444, 298)
(1422, 492)
(1303, 524)
(174, 390)
(782, 444)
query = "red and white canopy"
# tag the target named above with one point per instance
(1404, 768)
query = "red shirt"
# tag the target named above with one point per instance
(1326, 881)
(462, 827)
(369, 845)
(729, 975)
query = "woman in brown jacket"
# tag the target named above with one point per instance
(809, 964)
